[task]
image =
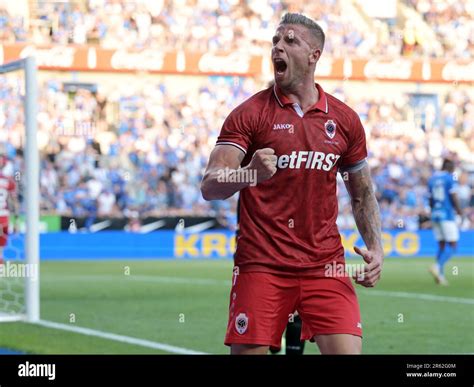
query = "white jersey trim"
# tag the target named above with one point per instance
(354, 167)
(232, 143)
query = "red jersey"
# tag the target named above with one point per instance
(287, 224)
(7, 186)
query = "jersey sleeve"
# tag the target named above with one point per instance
(355, 156)
(237, 129)
(451, 184)
(11, 185)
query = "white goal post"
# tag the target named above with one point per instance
(30, 311)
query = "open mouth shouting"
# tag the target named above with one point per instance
(280, 67)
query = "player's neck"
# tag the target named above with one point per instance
(305, 94)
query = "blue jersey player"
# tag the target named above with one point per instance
(444, 205)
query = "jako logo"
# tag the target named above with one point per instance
(308, 160)
(289, 127)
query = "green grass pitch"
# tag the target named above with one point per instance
(184, 303)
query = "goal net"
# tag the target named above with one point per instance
(19, 193)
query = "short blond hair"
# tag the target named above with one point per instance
(311, 25)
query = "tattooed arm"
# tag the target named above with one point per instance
(367, 216)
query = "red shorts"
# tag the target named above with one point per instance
(262, 303)
(3, 230)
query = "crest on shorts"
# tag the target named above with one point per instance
(241, 323)
(330, 127)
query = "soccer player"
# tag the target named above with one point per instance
(7, 187)
(293, 343)
(294, 138)
(443, 203)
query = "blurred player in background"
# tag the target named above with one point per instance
(295, 138)
(7, 189)
(293, 343)
(444, 203)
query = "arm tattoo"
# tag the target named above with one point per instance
(365, 207)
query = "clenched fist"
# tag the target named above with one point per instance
(264, 162)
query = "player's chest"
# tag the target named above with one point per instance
(311, 133)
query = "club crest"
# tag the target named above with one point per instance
(330, 127)
(241, 323)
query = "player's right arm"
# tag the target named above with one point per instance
(454, 199)
(224, 176)
(452, 186)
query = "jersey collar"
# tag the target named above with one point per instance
(321, 104)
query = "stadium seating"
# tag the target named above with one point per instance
(234, 25)
(137, 151)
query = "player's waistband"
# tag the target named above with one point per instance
(318, 270)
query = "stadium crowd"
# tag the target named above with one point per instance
(242, 25)
(453, 23)
(142, 152)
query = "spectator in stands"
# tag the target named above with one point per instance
(243, 26)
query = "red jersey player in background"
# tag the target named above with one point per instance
(282, 149)
(7, 188)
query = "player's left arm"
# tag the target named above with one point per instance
(367, 216)
(13, 194)
(13, 204)
(431, 199)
